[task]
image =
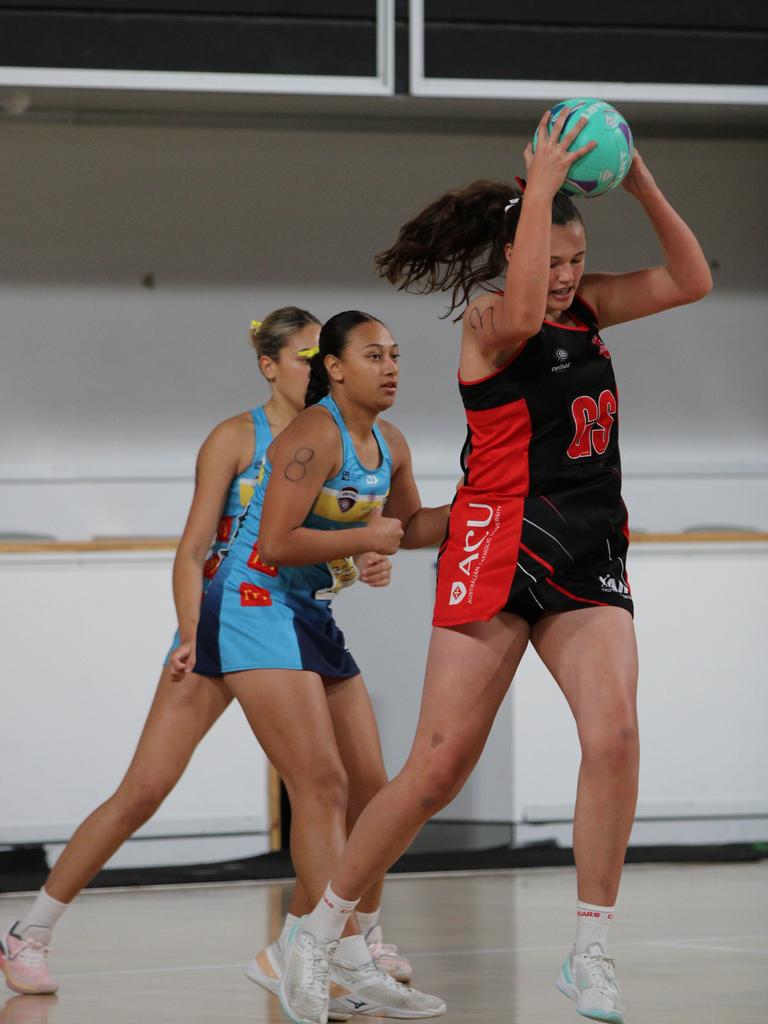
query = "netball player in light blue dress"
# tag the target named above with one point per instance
(267, 627)
(183, 711)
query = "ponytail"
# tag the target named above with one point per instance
(319, 385)
(456, 244)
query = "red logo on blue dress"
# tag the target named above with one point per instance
(224, 531)
(211, 567)
(254, 562)
(254, 597)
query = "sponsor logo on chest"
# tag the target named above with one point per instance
(561, 360)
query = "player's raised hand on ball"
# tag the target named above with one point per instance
(549, 163)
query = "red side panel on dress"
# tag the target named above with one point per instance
(479, 558)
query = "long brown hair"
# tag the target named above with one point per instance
(456, 244)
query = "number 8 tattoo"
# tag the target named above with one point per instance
(297, 468)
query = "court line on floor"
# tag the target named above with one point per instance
(692, 944)
(709, 948)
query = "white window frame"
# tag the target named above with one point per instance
(525, 89)
(380, 84)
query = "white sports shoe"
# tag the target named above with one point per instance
(266, 969)
(387, 957)
(369, 990)
(303, 989)
(590, 981)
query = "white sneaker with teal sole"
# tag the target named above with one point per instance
(590, 981)
(266, 969)
(303, 989)
(368, 990)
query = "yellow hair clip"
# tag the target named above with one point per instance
(255, 325)
(308, 353)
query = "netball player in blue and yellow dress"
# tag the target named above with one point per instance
(266, 625)
(228, 466)
(537, 534)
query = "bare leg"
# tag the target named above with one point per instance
(469, 670)
(593, 656)
(357, 736)
(180, 715)
(288, 712)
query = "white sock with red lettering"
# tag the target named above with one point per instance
(591, 926)
(329, 918)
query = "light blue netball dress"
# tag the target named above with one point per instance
(241, 491)
(262, 616)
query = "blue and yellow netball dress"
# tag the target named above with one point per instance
(262, 616)
(241, 490)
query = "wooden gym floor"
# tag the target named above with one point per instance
(691, 945)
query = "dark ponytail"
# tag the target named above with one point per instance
(456, 244)
(334, 335)
(319, 385)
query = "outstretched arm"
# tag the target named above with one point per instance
(683, 277)
(422, 527)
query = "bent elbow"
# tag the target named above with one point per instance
(699, 292)
(269, 551)
(707, 285)
(698, 288)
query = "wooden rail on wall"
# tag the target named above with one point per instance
(170, 543)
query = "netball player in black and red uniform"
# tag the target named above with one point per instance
(537, 539)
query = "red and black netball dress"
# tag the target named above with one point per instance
(538, 523)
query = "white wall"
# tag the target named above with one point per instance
(84, 638)
(107, 387)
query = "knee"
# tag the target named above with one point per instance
(324, 787)
(439, 778)
(615, 747)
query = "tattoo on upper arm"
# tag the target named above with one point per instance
(478, 318)
(297, 468)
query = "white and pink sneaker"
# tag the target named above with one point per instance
(386, 957)
(25, 963)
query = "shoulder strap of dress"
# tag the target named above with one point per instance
(584, 312)
(383, 446)
(262, 433)
(328, 403)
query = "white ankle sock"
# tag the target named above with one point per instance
(591, 926)
(329, 918)
(354, 950)
(367, 920)
(39, 921)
